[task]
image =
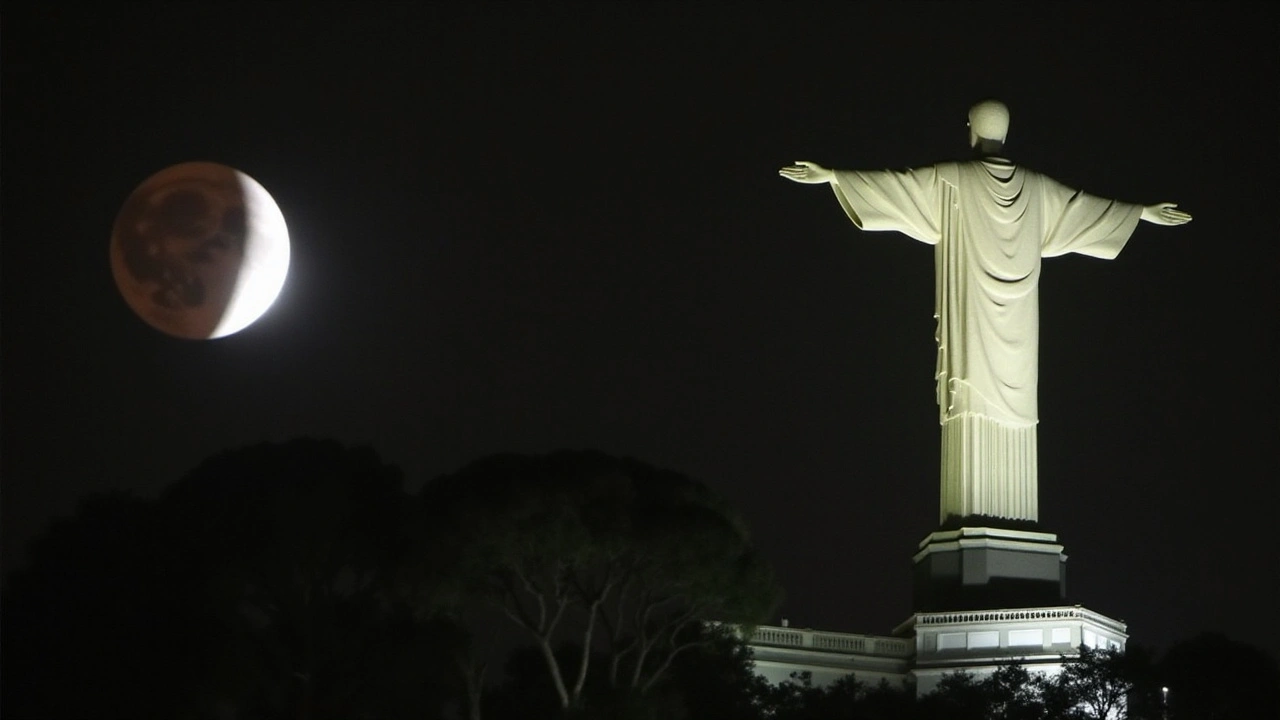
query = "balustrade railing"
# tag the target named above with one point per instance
(999, 616)
(833, 642)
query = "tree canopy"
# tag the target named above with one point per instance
(302, 580)
(604, 553)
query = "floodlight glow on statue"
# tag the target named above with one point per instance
(990, 222)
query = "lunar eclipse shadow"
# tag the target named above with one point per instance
(183, 250)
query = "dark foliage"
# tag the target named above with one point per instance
(255, 587)
(617, 558)
(1212, 677)
(299, 580)
(103, 622)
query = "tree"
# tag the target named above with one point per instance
(260, 584)
(1016, 693)
(1096, 684)
(1212, 676)
(847, 698)
(1093, 685)
(799, 699)
(1009, 693)
(574, 545)
(717, 681)
(101, 620)
(296, 544)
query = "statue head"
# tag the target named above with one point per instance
(988, 125)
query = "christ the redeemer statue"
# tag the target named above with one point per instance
(990, 221)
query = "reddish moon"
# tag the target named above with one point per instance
(199, 250)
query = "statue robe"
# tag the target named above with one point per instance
(990, 222)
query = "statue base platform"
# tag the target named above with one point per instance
(980, 641)
(971, 568)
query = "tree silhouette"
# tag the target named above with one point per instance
(261, 584)
(297, 543)
(1212, 676)
(101, 622)
(573, 546)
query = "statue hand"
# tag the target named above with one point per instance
(1165, 214)
(809, 173)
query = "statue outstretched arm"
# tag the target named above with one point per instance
(1165, 214)
(809, 173)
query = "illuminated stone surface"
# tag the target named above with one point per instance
(990, 221)
(930, 645)
(973, 567)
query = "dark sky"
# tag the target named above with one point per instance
(524, 228)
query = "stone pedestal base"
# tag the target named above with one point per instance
(980, 641)
(979, 567)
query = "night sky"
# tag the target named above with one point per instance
(527, 227)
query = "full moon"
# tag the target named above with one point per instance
(199, 250)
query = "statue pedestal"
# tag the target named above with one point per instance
(982, 567)
(980, 641)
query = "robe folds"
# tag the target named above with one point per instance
(990, 222)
